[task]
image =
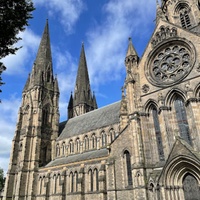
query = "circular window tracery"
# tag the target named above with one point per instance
(172, 63)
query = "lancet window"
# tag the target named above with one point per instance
(158, 133)
(181, 117)
(127, 159)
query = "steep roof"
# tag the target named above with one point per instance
(79, 157)
(93, 120)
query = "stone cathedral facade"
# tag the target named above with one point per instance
(144, 147)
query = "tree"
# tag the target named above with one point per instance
(2, 179)
(14, 16)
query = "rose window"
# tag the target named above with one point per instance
(170, 65)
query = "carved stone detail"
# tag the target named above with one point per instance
(145, 88)
(163, 34)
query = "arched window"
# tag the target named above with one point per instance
(76, 181)
(190, 187)
(158, 133)
(181, 117)
(77, 145)
(71, 146)
(96, 180)
(63, 148)
(90, 176)
(71, 182)
(55, 184)
(86, 141)
(57, 150)
(40, 185)
(94, 141)
(127, 158)
(103, 139)
(112, 135)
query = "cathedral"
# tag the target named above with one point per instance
(144, 147)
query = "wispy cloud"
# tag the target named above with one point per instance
(8, 117)
(67, 11)
(16, 63)
(108, 41)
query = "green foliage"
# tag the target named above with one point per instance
(14, 16)
(2, 179)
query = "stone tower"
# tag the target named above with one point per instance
(83, 100)
(37, 126)
(183, 13)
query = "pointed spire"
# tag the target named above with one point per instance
(44, 51)
(94, 101)
(56, 88)
(131, 50)
(70, 104)
(82, 89)
(27, 83)
(83, 100)
(42, 71)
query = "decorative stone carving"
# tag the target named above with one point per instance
(145, 88)
(163, 34)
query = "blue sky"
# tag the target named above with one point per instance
(103, 25)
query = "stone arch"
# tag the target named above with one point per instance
(172, 94)
(149, 104)
(174, 173)
(197, 91)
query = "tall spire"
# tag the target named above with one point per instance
(83, 100)
(42, 71)
(82, 92)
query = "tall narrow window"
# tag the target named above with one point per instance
(96, 180)
(104, 138)
(94, 141)
(86, 141)
(63, 148)
(158, 133)
(76, 182)
(71, 182)
(57, 150)
(90, 180)
(71, 146)
(77, 145)
(127, 158)
(181, 117)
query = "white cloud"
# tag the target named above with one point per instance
(8, 118)
(108, 41)
(16, 63)
(67, 11)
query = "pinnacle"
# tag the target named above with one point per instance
(131, 50)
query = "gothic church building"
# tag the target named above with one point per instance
(144, 147)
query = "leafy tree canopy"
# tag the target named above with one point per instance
(14, 16)
(2, 179)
